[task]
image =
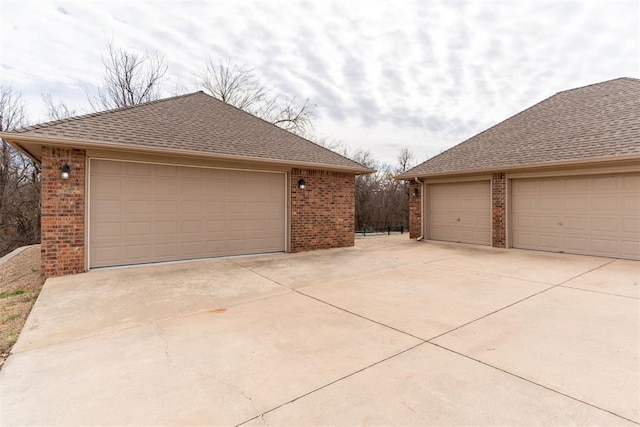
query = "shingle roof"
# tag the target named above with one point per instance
(597, 121)
(194, 122)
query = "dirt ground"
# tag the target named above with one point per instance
(20, 284)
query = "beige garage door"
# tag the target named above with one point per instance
(142, 212)
(591, 215)
(460, 212)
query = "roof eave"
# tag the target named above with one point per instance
(18, 140)
(409, 176)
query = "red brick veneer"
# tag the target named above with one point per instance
(498, 210)
(63, 211)
(323, 214)
(415, 210)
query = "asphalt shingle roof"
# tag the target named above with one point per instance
(597, 121)
(194, 122)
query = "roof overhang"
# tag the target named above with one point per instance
(569, 164)
(31, 146)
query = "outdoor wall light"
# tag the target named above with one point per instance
(301, 184)
(65, 171)
(416, 192)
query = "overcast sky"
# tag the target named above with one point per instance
(383, 74)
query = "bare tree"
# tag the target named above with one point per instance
(56, 111)
(129, 79)
(19, 181)
(234, 84)
(382, 202)
(406, 160)
(239, 86)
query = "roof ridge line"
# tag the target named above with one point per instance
(598, 83)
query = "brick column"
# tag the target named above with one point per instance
(323, 214)
(63, 210)
(498, 213)
(415, 210)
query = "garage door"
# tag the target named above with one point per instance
(460, 212)
(592, 215)
(141, 212)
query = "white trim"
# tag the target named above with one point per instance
(575, 172)
(287, 223)
(458, 179)
(108, 159)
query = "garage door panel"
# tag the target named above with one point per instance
(148, 212)
(140, 207)
(548, 241)
(605, 203)
(604, 183)
(630, 226)
(137, 169)
(576, 184)
(604, 225)
(576, 203)
(602, 246)
(631, 204)
(137, 229)
(608, 225)
(191, 207)
(630, 249)
(165, 250)
(574, 224)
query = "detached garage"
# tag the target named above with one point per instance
(561, 176)
(183, 178)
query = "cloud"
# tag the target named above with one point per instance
(425, 74)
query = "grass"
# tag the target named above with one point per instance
(20, 285)
(12, 293)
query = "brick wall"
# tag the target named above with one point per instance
(498, 207)
(63, 209)
(323, 214)
(415, 210)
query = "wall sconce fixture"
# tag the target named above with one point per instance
(65, 171)
(301, 184)
(416, 192)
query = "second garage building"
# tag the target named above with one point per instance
(561, 176)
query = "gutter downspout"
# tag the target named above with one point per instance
(421, 209)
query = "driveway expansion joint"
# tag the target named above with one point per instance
(532, 382)
(406, 350)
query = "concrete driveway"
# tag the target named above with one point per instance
(390, 332)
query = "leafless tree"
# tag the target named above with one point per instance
(406, 160)
(234, 84)
(239, 86)
(129, 79)
(56, 110)
(381, 200)
(19, 181)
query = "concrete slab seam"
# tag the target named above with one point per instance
(598, 292)
(588, 271)
(337, 307)
(492, 313)
(533, 382)
(334, 382)
(519, 301)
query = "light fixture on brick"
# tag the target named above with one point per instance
(65, 171)
(301, 184)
